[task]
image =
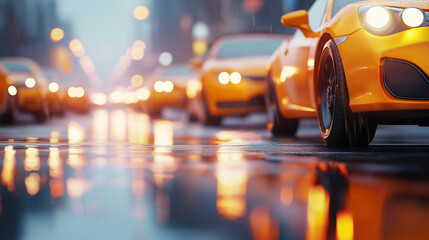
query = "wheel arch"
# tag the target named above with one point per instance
(323, 40)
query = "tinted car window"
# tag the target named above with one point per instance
(316, 14)
(177, 71)
(338, 4)
(15, 66)
(248, 48)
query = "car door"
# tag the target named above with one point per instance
(293, 89)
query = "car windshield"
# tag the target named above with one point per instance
(16, 66)
(48, 75)
(248, 47)
(177, 71)
(338, 4)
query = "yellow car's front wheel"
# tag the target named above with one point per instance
(338, 125)
(276, 123)
(207, 118)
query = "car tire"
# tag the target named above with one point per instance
(207, 118)
(43, 115)
(11, 113)
(338, 125)
(276, 123)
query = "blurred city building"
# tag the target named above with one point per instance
(25, 26)
(173, 23)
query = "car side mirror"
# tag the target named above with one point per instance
(196, 62)
(299, 19)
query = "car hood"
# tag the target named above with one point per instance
(249, 66)
(19, 78)
(422, 4)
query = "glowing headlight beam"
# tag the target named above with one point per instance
(378, 17)
(53, 87)
(30, 82)
(413, 17)
(223, 78)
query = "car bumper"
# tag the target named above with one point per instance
(30, 100)
(243, 98)
(374, 84)
(174, 99)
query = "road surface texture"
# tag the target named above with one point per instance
(117, 174)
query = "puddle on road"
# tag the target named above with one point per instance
(120, 175)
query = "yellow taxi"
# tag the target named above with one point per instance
(167, 87)
(8, 100)
(27, 84)
(232, 76)
(56, 92)
(354, 65)
(77, 98)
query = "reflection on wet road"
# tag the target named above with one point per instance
(118, 174)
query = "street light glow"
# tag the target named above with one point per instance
(57, 34)
(165, 59)
(141, 13)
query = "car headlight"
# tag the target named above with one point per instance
(235, 78)
(413, 17)
(143, 94)
(378, 17)
(53, 87)
(30, 82)
(168, 86)
(223, 78)
(384, 21)
(76, 92)
(158, 86)
(12, 90)
(161, 86)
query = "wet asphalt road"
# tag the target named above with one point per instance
(117, 174)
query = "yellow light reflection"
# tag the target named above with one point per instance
(8, 171)
(231, 183)
(55, 137)
(317, 213)
(32, 183)
(345, 226)
(100, 126)
(163, 133)
(32, 160)
(57, 187)
(75, 187)
(262, 225)
(138, 128)
(55, 163)
(192, 88)
(76, 158)
(76, 133)
(118, 126)
(164, 164)
(288, 72)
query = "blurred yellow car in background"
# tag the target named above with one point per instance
(26, 82)
(354, 65)
(8, 100)
(56, 92)
(232, 76)
(78, 99)
(167, 87)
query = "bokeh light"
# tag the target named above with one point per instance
(165, 59)
(57, 34)
(141, 13)
(137, 80)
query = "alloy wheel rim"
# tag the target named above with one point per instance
(328, 95)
